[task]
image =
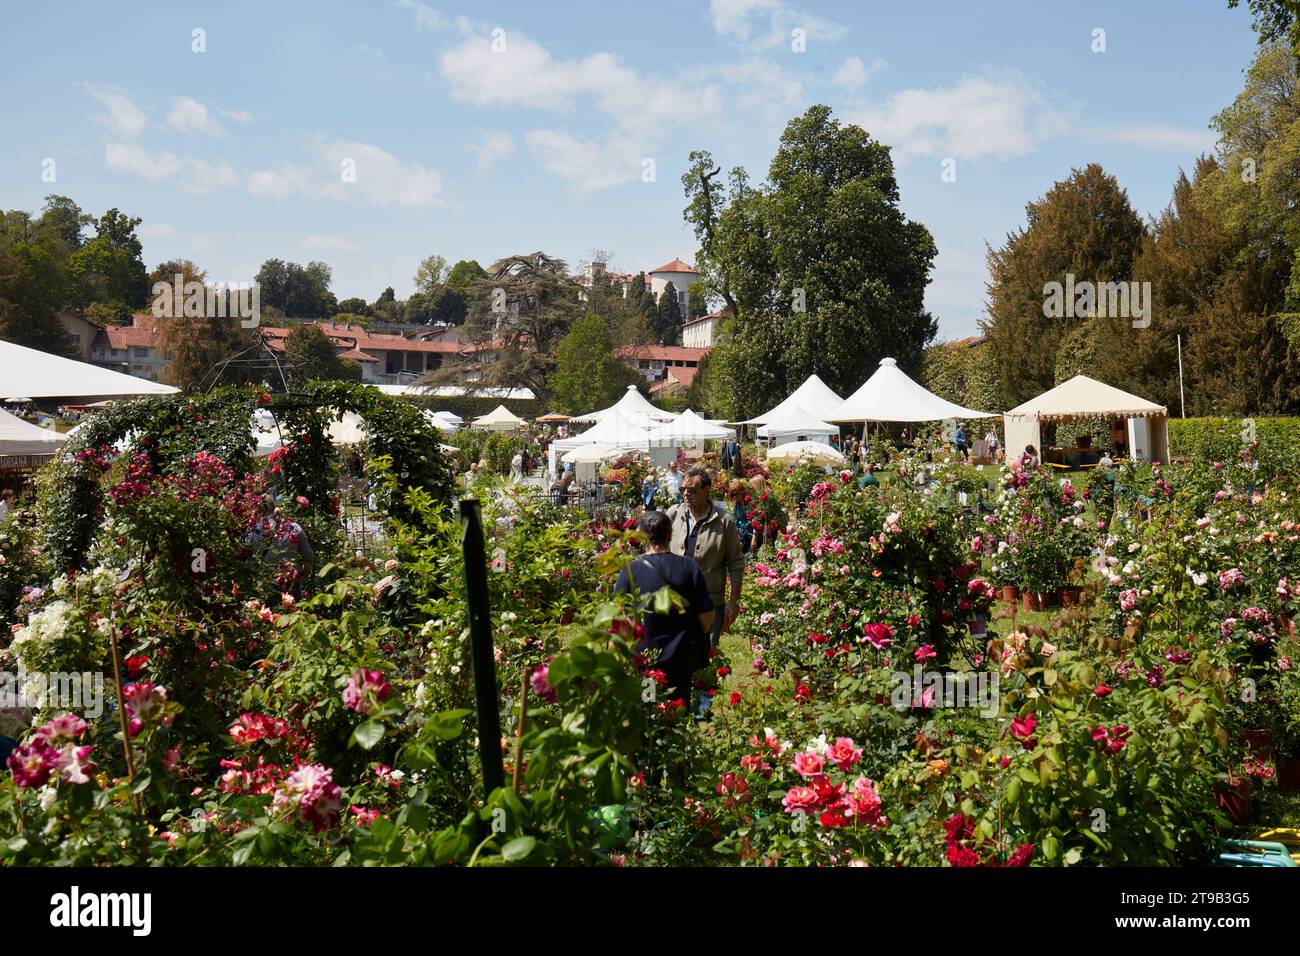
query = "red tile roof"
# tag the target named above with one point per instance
(357, 356)
(675, 266)
(664, 353)
(126, 336)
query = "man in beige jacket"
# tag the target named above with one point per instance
(703, 531)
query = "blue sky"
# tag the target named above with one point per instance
(238, 153)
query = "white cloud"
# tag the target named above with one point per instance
(328, 244)
(281, 184)
(492, 147)
(236, 116)
(381, 179)
(138, 161)
(526, 75)
(157, 230)
(1156, 136)
(590, 164)
(426, 17)
(764, 87)
(190, 116)
(370, 51)
(766, 24)
(853, 73)
(979, 116)
(200, 177)
(122, 117)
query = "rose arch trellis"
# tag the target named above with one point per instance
(171, 429)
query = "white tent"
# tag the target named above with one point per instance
(795, 424)
(632, 404)
(1086, 399)
(443, 421)
(813, 396)
(811, 451)
(890, 396)
(31, 373)
(266, 434)
(616, 429)
(590, 453)
(500, 419)
(687, 429)
(18, 437)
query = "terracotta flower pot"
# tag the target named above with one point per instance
(1288, 773)
(1069, 596)
(1010, 594)
(1032, 600)
(1234, 800)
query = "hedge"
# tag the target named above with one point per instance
(1275, 442)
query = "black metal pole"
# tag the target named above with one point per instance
(480, 639)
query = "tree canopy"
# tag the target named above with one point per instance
(820, 268)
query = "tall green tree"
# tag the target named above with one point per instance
(108, 268)
(587, 375)
(820, 267)
(309, 356)
(668, 317)
(463, 275)
(1083, 227)
(295, 290)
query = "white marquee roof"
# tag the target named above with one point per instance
(890, 396)
(499, 419)
(31, 373)
(615, 429)
(633, 403)
(18, 437)
(1083, 397)
(688, 427)
(813, 396)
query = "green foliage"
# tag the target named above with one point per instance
(296, 291)
(820, 267)
(587, 375)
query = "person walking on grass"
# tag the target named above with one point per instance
(704, 531)
(680, 637)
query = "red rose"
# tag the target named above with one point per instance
(1102, 690)
(736, 697)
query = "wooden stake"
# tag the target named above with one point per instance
(519, 730)
(121, 720)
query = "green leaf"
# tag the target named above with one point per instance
(368, 734)
(518, 849)
(1013, 792)
(1050, 846)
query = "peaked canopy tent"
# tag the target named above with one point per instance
(796, 424)
(632, 404)
(615, 429)
(811, 451)
(891, 396)
(500, 419)
(23, 439)
(31, 373)
(687, 429)
(1086, 399)
(814, 397)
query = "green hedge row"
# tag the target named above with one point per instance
(1221, 439)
